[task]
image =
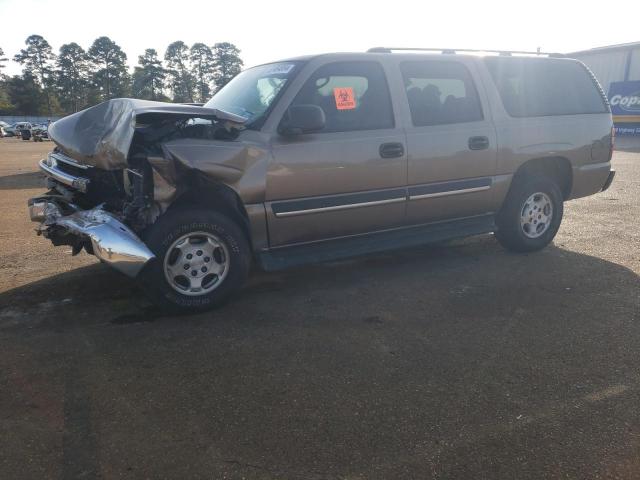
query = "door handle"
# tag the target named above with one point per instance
(478, 143)
(391, 150)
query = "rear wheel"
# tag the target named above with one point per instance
(201, 259)
(531, 215)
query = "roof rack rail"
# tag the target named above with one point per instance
(453, 51)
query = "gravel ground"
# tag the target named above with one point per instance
(455, 361)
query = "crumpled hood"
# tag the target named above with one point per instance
(101, 135)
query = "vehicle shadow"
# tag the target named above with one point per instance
(472, 275)
(458, 351)
(21, 181)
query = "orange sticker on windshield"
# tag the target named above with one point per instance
(345, 99)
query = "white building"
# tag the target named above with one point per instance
(615, 63)
(617, 68)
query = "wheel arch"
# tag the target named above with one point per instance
(209, 194)
(557, 168)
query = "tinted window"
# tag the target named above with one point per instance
(353, 95)
(440, 93)
(531, 87)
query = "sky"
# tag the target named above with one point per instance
(272, 29)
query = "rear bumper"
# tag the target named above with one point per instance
(110, 240)
(609, 180)
(590, 179)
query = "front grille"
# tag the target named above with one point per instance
(91, 186)
(71, 169)
(67, 164)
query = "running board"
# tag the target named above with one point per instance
(337, 249)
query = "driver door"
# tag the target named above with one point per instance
(348, 178)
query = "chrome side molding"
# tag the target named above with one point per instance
(449, 192)
(339, 207)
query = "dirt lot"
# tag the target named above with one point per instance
(456, 361)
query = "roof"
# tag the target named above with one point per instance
(463, 52)
(619, 46)
(413, 53)
(301, 58)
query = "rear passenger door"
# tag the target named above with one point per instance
(451, 142)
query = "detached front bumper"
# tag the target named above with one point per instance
(109, 239)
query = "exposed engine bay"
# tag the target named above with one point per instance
(142, 190)
(123, 163)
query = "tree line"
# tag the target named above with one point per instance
(74, 78)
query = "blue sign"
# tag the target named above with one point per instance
(624, 98)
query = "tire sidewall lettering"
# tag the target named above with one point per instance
(167, 230)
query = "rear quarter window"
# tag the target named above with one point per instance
(535, 87)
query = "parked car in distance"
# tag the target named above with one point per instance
(26, 133)
(10, 131)
(323, 157)
(17, 129)
(40, 132)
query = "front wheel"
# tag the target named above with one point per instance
(531, 215)
(202, 258)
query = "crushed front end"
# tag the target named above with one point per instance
(69, 214)
(110, 175)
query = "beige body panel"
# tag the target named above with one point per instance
(315, 187)
(333, 164)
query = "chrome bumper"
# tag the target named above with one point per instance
(112, 241)
(49, 166)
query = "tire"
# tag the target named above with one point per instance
(161, 279)
(522, 230)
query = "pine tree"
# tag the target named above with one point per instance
(227, 61)
(203, 69)
(38, 59)
(179, 72)
(72, 77)
(3, 60)
(26, 95)
(149, 76)
(111, 76)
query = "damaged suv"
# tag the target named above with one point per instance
(325, 157)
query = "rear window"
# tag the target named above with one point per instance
(532, 87)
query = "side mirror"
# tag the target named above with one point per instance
(301, 119)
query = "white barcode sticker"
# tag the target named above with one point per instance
(280, 68)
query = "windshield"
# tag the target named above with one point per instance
(251, 93)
